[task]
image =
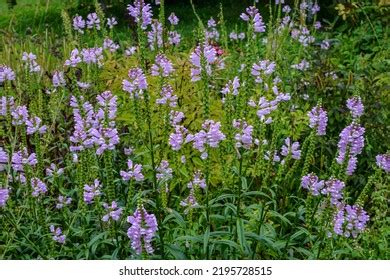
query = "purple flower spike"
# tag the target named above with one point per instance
(79, 24)
(162, 66)
(311, 183)
(292, 149)
(38, 186)
(137, 83)
(173, 19)
(143, 228)
(351, 142)
(355, 105)
(114, 212)
(6, 74)
(141, 12)
(3, 159)
(318, 120)
(4, 196)
(253, 16)
(134, 171)
(350, 220)
(57, 234)
(91, 191)
(383, 161)
(93, 21)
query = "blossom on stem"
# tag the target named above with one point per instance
(93, 21)
(134, 171)
(62, 201)
(137, 83)
(311, 183)
(113, 211)
(355, 105)
(383, 161)
(318, 120)
(167, 97)
(351, 142)
(38, 186)
(253, 16)
(292, 149)
(162, 66)
(143, 228)
(91, 191)
(4, 196)
(79, 24)
(350, 220)
(6, 74)
(141, 12)
(57, 234)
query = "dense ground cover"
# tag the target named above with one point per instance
(258, 133)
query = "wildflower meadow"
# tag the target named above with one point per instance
(135, 135)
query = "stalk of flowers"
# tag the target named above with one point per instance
(382, 164)
(350, 145)
(318, 120)
(134, 172)
(142, 14)
(142, 230)
(136, 86)
(39, 190)
(350, 221)
(105, 136)
(57, 234)
(174, 37)
(195, 186)
(164, 174)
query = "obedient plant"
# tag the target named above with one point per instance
(228, 144)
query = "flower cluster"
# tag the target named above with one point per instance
(211, 33)
(350, 220)
(162, 66)
(3, 159)
(114, 212)
(318, 120)
(155, 36)
(93, 21)
(210, 135)
(177, 138)
(143, 228)
(109, 44)
(311, 183)
(91, 191)
(350, 145)
(31, 62)
(262, 69)
(4, 196)
(134, 171)
(252, 15)
(164, 172)
(231, 87)
(383, 161)
(302, 35)
(57, 234)
(6, 74)
(167, 97)
(141, 12)
(291, 149)
(355, 105)
(38, 186)
(244, 137)
(62, 201)
(202, 60)
(137, 83)
(53, 170)
(58, 79)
